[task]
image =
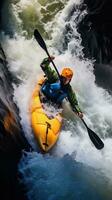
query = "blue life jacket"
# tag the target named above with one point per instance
(53, 91)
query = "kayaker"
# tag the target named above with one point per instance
(57, 90)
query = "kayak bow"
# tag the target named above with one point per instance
(46, 130)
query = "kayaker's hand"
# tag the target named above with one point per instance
(51, 58)
(79, 114)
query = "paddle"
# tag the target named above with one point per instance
(41, 42)
(93, 136)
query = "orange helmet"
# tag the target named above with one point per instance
(67, 73)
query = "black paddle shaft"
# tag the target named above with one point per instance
(41, 42)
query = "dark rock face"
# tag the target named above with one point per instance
(96, 32)
(103, 74)
(12, 140)
(1, 5)
(11, 130)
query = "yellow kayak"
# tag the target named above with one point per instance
(46, 129)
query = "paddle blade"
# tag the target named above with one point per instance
(95, 139)
(39, 39)
(41, 42)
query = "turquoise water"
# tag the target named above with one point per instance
(52, 178)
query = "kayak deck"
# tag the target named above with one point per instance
(46, 129)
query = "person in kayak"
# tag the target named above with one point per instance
(57, 89)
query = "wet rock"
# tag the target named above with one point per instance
(12, 139)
